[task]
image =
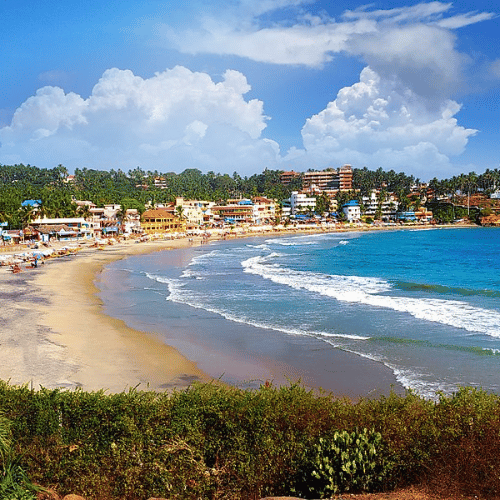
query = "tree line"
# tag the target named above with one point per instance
(136, 188)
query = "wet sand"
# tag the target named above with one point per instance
(237, 353)
(54, 333)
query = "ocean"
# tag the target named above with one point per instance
(423, 304)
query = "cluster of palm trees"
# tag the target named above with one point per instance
(137, 188)
(470, 183)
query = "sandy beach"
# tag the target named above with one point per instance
(54, 333)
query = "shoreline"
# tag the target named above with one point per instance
(55, 333)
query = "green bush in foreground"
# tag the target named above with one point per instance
(213, 442)
(14, 483)
(346, 461)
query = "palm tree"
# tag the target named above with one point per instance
(85, 212)
(27, 214)
(179, 210)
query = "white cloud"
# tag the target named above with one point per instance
(181, 119)
(463, 20)
(171, 121)
(376, 123)
(416, 43)
(311, 43)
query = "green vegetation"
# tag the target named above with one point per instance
(214, 442)
(14, 482)
(131, 190)
(343, 462)
(447, 212)
(137, 187)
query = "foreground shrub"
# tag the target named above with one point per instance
(14, 482)
(346, 461)
(215, 442)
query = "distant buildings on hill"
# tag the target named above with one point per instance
(324, 180)
(317, 199)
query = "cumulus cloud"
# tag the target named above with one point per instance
(379, 123)
(174, 120)
(181, 119)
(417, 43)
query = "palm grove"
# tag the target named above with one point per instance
(137, 187)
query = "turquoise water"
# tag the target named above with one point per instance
(425, 303)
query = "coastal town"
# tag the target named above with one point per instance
(327, 200)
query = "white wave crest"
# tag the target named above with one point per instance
(365, 290)
(172, 284)
(177, 294)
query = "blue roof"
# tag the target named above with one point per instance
(31, 203)
(245, 202)
(351, 203)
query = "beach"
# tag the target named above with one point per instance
(55, 334)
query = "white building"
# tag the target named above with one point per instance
(64, 228)
(264, 210)
(195, 212)
(300, 203)
(352, 211)
(131, 222)
(388, 207)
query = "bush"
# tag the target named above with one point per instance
(14, 483)
(215, 442)
(346, 461)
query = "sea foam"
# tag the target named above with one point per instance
(374, 292)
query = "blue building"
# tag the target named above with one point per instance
(406, 216)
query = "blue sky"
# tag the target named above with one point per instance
(244, 85)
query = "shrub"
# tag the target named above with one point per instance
(217, 442)
(346, 461)
(14, 483)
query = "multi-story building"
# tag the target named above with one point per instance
(300, 202)
(160, 182)
(423, 215)
(329, 179)
(264, 210)
(325, 179)
(374, 205)
(352, 211)
(131, 221)
(191, 210)
(104, 221)
(234, 213)
(160, 220)
(287, 177)
(63, 228)
(345, 178)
